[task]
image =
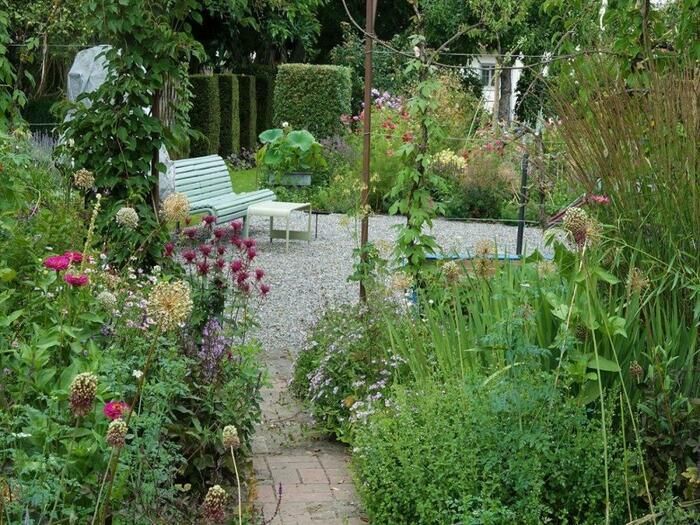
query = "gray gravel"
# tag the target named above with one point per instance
(313, 275)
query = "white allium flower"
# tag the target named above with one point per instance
(137, 374)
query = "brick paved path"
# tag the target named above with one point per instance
(316, 484)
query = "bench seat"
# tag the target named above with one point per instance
(207, 184)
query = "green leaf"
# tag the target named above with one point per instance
(270, 135)
(603, 364)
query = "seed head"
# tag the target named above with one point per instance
(116, 433)
(636, 371)
(170, 304)
(107, 299)
(83, 179)
(637, 281)
(176, 207)
(230, 437)
(128, 218)
(82, 393)
(214, 504)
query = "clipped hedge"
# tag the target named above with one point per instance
(265, 96)
(313, 97)
(205, 115)
(248, 111)
(230, 135)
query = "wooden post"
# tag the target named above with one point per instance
(367, 127)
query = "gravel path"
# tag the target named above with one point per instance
(316, 486)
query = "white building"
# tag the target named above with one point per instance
(484, 66)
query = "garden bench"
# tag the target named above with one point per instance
(207, 184)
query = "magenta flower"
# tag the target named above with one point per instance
(203, 268)
(76, 279)
(209, 220)
(57, 262)
(237, 226)
(236, 241)
(236, 265)
(221, 249)
(244, 287)
(205, 249)
(190, 233)
(220, 264)
(169, 249)
(189, 256)
(241, 277)
(259, 273)
(603, 200)
(264, 289)
(115, 409)
(252, 252)
(248, 243)
(219, 233)
(74, 257)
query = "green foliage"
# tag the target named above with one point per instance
(230, 135)
(344, 371)
(515, 450)
(312, 97)
(114, 137)
(264, 96)
(285, 151)
(206, 115)
(247, 107)
(11, 99)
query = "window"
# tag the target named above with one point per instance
(487, 74)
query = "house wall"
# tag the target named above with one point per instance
(478, 64)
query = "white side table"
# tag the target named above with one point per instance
(274, 209)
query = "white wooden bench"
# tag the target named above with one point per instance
(207, 184)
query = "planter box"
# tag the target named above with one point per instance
(290, 179)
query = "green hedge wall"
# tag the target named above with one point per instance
(265, 96)
(248, 111)
(230, 135)
(312, 97)
(205, 115)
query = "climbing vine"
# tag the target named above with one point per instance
(114, 136)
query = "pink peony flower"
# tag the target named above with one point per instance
(57, 262)
(259, 273)
(74, 257)
(76, 279)
(115, 409)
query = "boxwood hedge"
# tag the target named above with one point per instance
(230, 135)
(248, 111)
(205, 115)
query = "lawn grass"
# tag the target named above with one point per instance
(244, 180)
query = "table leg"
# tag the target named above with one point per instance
(308, 230)
(272, 225)
(245, 226)
(286, 249)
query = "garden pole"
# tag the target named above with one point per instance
(522, 200)
(367, 127)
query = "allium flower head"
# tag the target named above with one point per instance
(107, 299)
(82, 393)
(57, 262)
(230, 437)
(116, 433)
(115, 409)
(83, 179)
(214, 504)
(128, 218)
(176, 207)
(76, 280)
(546, 268)
(582, 228)
(170, 304)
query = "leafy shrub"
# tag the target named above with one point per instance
(248, 111)
(312, 97)
(230, 134)
(205, 115)
(516, 450)
(344, 371)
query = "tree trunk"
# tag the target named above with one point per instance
(505, 87)
(495, 113)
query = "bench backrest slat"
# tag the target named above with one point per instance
(201, 178)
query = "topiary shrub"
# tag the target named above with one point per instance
(313, 97)
(230, 134)
(265, 96)
(205, 115)
(248, 111)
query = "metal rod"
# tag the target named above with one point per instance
(367, 125)
(522, 200)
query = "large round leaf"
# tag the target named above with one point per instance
(302, 140)
(270, 135)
